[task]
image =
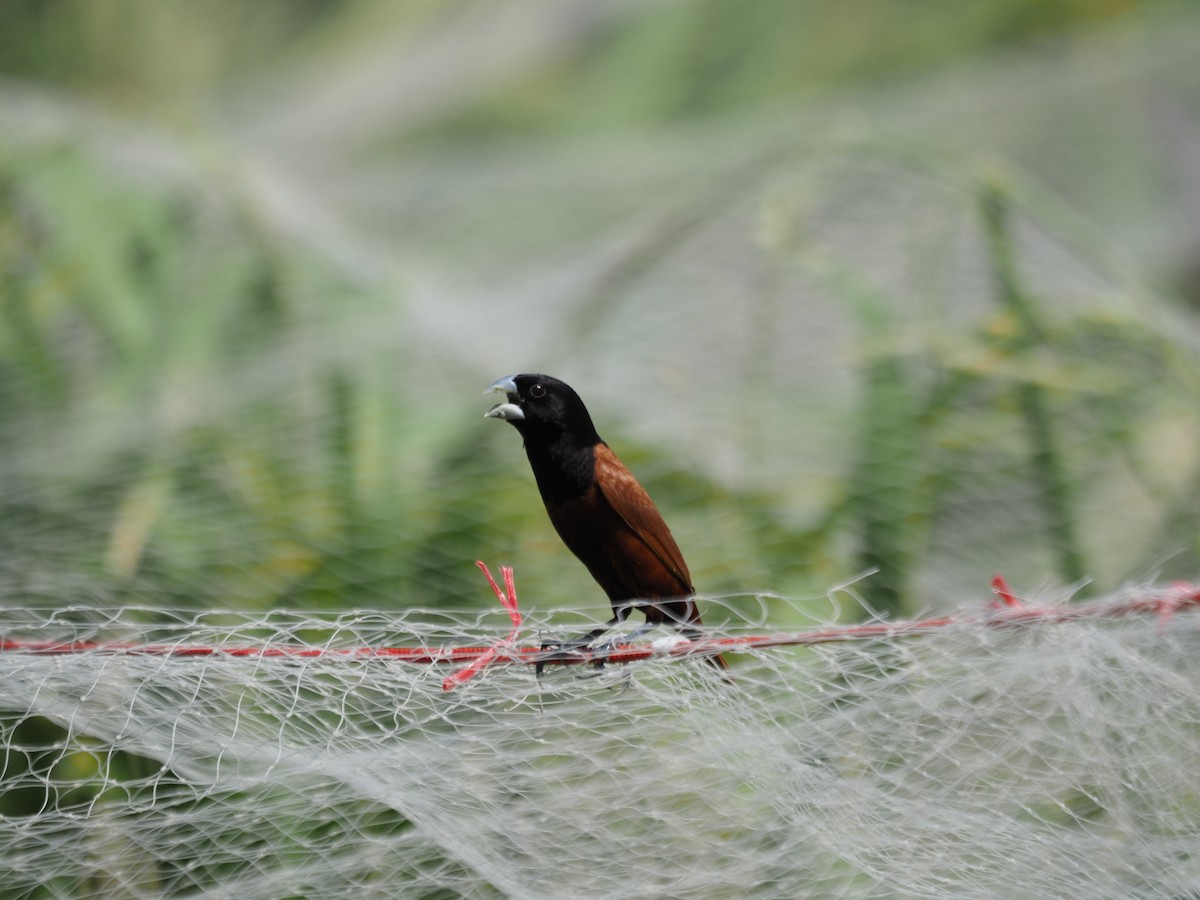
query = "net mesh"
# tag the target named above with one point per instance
(1051, 757)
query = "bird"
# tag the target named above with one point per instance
(601, 512)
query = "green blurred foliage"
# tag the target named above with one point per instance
(705, 57)
(666, 60)
(155, 56)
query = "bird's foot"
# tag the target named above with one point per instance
(601, 651)
(556, 650)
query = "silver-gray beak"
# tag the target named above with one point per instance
(505, 385)
(510, 411)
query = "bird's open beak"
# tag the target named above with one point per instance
(509, 411)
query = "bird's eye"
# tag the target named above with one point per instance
(537, 392)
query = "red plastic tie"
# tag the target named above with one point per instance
(1004, 595)
(508, 599)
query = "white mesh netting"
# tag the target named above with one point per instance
(1054, 757)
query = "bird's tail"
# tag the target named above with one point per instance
(717, 661)
(683, 614)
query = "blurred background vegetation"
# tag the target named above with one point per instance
(905, 287)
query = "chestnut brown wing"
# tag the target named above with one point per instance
(633, 505)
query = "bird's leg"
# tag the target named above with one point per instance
(621, 614)
(627, 639)
(556, 649)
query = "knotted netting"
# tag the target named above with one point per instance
(1026, 750)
